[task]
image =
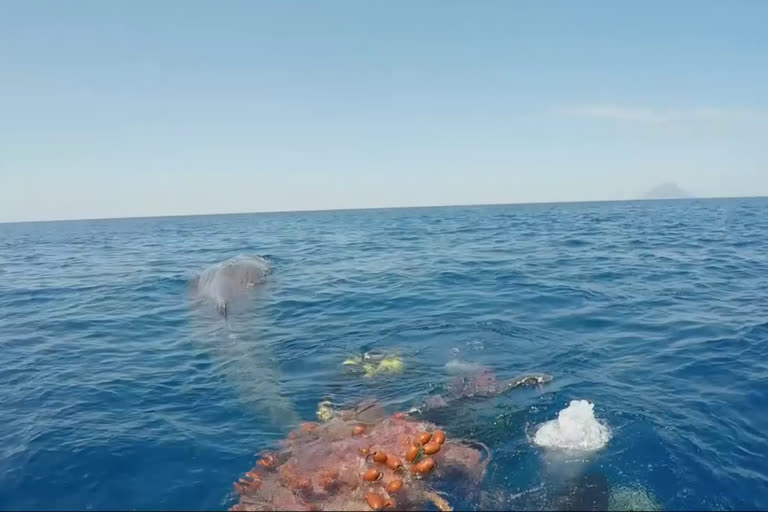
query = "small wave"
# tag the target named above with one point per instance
(575, 428)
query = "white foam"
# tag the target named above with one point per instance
(574, 429)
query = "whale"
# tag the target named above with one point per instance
(235, 340)
(231, 280)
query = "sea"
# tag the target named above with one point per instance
(121, 392)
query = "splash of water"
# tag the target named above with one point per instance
(574, 429)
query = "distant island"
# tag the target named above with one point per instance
(666, 191)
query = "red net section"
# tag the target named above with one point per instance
(382, 463)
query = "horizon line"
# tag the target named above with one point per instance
(367, 208)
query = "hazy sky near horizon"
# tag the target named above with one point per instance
(131, 108)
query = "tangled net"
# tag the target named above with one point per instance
(361, 459)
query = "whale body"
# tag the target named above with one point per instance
(231, 279)
(236, 346)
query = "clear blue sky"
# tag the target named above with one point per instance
(126, 108)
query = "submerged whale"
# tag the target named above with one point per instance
(236, 346)
(229, 280)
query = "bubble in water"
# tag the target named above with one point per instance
(574, 429)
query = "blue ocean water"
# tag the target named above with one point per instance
(118, 394)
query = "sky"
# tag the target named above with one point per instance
(144, 108)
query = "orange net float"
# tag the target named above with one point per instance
(372, 475)
(394, 486)
(423, 467)
(431, 448)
